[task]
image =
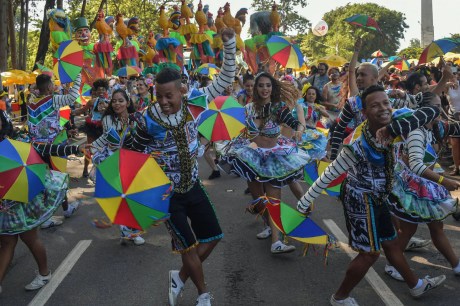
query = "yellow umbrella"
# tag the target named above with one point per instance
(451, 56)
(333, 60)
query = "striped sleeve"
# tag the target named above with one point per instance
(227, 72)
(407, 101)
(64, 100)
(55, 150)
(453, 129)
(140, 140)
(416, 147)
(420, 117)
(285, 116)
(345, 117)
(102, 142)
(344, 161)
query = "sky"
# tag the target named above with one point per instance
(445, 13)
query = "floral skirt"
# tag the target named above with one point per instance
(314, 143)
(278, 165)
(17, 217)
(419, 200)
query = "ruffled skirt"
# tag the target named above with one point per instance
(419, 200)
(314, 143)
(17, 217)
(278, 166)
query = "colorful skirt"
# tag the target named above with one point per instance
(17, 217)
(419, 200)
(314, 143)
(278, 166)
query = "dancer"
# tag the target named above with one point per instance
(168, 131)
(265, 159)
(365, 192)
(117, 123)
(21, 220)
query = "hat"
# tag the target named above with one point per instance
(80, 23)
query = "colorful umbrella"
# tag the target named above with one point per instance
(64, 115)
(223, 120)
(403, 65)
(86, 90)
(132, 189)
(283, 50)
(333, 60)
(22, 171)
(45, 70)
(363, 21)
(438, 48)
(128, 71)
(207, 69)
(294, 224)
(68, 61)
(314, 170)
(197, 103)
(379, 53)
(59, 163)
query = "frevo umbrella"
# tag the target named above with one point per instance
(22, 171)
(132, 189)
(128, 71)
(68, 61)
(313, 171)
(207, 69)
(363, 21)
(284, 51)
(59, 163)
(438, 48)
(223, 120)
(379, 53)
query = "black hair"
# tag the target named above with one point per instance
(101, 83)
(412, 80)
(325, 65)
(110, 112)
(247, 77)
(319, 97)
(167, 75)
(370, 90)
(42, 82)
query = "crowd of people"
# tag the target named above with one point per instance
(386, 130)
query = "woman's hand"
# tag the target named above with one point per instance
(450, 185)
(383, 136)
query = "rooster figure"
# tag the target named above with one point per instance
(201, 41)
(127, 54)
(122, 29)
(188, 28)
(102, 27)
(150, 52)
(275, 17)
(103, 48)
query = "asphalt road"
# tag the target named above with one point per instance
(90, 267)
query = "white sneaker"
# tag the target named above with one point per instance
(138, 240)
(73, 207)
(51, 222)
(279, 248)
(428, 284)
(390, 270)
(267, 232)
(204, 300)
(130, 234)
(38, 282)
(175, 287)
(349, 301)
(416, 243)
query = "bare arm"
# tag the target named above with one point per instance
(353, 88)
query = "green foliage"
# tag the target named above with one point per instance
(32, 48)
(411, 52)
(341, 35)
(291, 20)
(414, 43)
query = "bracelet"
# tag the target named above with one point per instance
(441, 178)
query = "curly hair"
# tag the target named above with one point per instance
(281, 91)
(110, 112)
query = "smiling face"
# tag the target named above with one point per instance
(142, 88)
(169, 96)
(249, 87)
(119, 104)
(83, 36)
(378, 109)
(264, 89)
(310, 95)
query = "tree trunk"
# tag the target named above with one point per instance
(12, 35)
(83, 8)
(26, 35)
(44, 34)
(21, 36)
(3, 36)
(101, 6)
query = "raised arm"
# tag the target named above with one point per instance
(344, 161)
(227, 72)
(345, 117)
(353, 88)
(64, 100)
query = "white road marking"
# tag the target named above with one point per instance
(385, 293)
(61, 272)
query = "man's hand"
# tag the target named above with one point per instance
(383, 136)
(227, 34)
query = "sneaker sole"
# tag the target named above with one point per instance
(262, 238)
(282, 252)
(431, 288)
(170, 293)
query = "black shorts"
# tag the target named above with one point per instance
(196, 206)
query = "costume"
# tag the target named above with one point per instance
(173, 142)
(278, 165)
(17, 217)
(43, 114)
(420, 200)
(93, 124)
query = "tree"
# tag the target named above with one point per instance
(3, 36)
(44, 34)
(12, 35)
(291, 20)
(341, 36)
(414, 43)
(411, 52)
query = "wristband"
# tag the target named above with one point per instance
(441, 178)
